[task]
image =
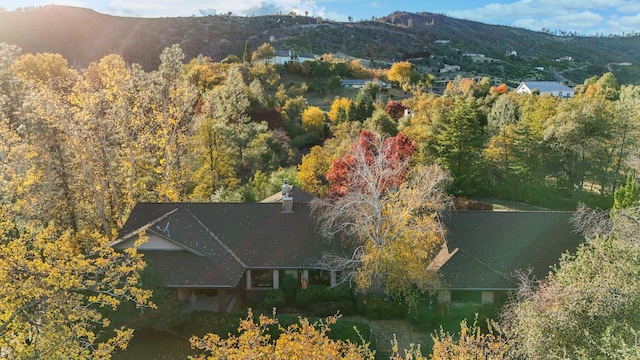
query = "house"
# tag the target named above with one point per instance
(449, 68)
(486, 250)
(282, 57)
(227, 251)
(565, 59)
(230, 252)
(359, 83)
(545, 87)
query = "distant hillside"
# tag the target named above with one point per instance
(83, 36)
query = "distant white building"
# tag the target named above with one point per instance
(449, 68)
(545, 87)
(359, 83)
(285, 56)
(565, 58)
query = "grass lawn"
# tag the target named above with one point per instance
(155, 345)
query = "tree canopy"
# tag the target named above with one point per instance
(387, 211)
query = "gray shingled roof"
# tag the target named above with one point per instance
(492, 246)
(547, 86)
(226, 239)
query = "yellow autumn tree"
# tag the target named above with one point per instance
(339, 111)
(314, 167)
(403, 73)
(304, 340)
(472, 343)
(53, 292)
(313, 120)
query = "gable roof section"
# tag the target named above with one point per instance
(493, 246)
(545, 87)
(231, 237)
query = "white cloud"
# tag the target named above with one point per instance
(583, 16)
(579, 22)
(161, 8)
(625, 24)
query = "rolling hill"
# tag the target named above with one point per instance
(83, 36)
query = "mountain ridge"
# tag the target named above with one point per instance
(83, 36)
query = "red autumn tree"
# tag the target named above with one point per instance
(395, 110)
(386, 210)
(392, 154)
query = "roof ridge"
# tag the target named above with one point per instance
(218, 240)
(143, 227)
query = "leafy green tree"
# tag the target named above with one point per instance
(381, 123)
(587, 307)
(582, 134)
(229, 103)
(505, 111)
(626, 130)
(362, 107)
(458, 140)
(11, 93)
(627, 196)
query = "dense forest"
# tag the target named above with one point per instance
(79, 147)
(83, 146)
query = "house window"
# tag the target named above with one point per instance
(262, 278)
(320, 277)
(466, 296)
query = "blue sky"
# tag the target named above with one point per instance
(587, 17)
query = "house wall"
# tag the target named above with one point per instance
(472, 296)
(488, 297)
(444, 296)
(154, 242)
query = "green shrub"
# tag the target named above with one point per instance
(341, 330)
(426, 316)
(327, 308)
(274, 298)
(305, 140)
(290, 286)
(344, 330)
(429, 317)
(377, 306)
(320, 293)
